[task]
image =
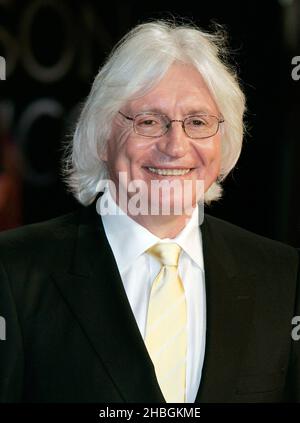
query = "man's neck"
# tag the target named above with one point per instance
(162, 226)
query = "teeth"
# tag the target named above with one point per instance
(176, 172)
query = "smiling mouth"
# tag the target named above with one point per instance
(168, 172)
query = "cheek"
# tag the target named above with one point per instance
(215, 150)
(137, 151)
(116, 150)
(210, 158)
(214, 159)
(214, 164)
(216, 156)
(126, 155)
(210, 154)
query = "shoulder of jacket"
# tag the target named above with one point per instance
(239, 236)
(34, 236)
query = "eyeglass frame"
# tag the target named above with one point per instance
(168, 126)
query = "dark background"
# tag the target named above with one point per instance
(53, 51)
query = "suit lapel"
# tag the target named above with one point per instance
(229, 298)
(93, 289)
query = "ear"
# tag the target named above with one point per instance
(103, 154)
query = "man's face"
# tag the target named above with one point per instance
(181, 92)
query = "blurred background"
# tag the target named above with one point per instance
(53, 49)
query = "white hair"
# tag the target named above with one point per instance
(135, 65)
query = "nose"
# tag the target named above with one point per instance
(175, 142)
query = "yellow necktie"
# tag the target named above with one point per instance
(166, 330)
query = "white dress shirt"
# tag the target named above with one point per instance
(138, 269)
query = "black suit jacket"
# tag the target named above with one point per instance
(72, 337)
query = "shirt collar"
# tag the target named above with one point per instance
(128, 239)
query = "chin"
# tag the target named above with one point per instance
(171, 206)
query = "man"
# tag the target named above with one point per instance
(136, 297)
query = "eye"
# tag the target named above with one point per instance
(196, 121)
(147, 121)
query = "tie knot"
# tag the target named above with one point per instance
(166, 253)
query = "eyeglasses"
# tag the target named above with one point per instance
(154, 125)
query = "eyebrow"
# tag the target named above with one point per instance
(194, 111)
(201, 110)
